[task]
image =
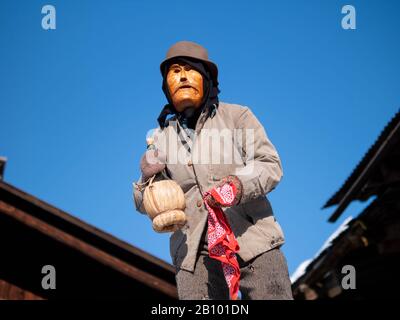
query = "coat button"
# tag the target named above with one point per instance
(199, 203)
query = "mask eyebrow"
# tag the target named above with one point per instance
(173, 66)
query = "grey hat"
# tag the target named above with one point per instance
(188, 49)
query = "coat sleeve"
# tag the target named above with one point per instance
(160, 143)
(262, 169)
(138, 196)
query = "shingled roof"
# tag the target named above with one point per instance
(378, 166)
(90, 262)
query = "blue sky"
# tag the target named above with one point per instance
(76, 102)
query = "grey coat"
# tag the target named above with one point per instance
(256, 163)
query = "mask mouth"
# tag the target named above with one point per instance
(185, 86)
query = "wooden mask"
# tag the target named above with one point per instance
(185, 86)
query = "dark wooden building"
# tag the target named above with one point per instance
(88, 262)
(371, 241)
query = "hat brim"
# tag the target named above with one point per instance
(212, 67)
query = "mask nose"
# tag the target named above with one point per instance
(183, 75)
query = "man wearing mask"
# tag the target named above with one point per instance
(231, 240)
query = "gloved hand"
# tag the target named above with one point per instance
(238, 189)
(152, 162)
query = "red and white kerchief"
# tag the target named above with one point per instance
(222, 244)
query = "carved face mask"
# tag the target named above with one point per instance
(185, 86)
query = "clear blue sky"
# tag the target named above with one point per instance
(76, 102)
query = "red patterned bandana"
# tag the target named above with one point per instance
(222, 244)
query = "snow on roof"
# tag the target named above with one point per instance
(334, 235)
(301, 269)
